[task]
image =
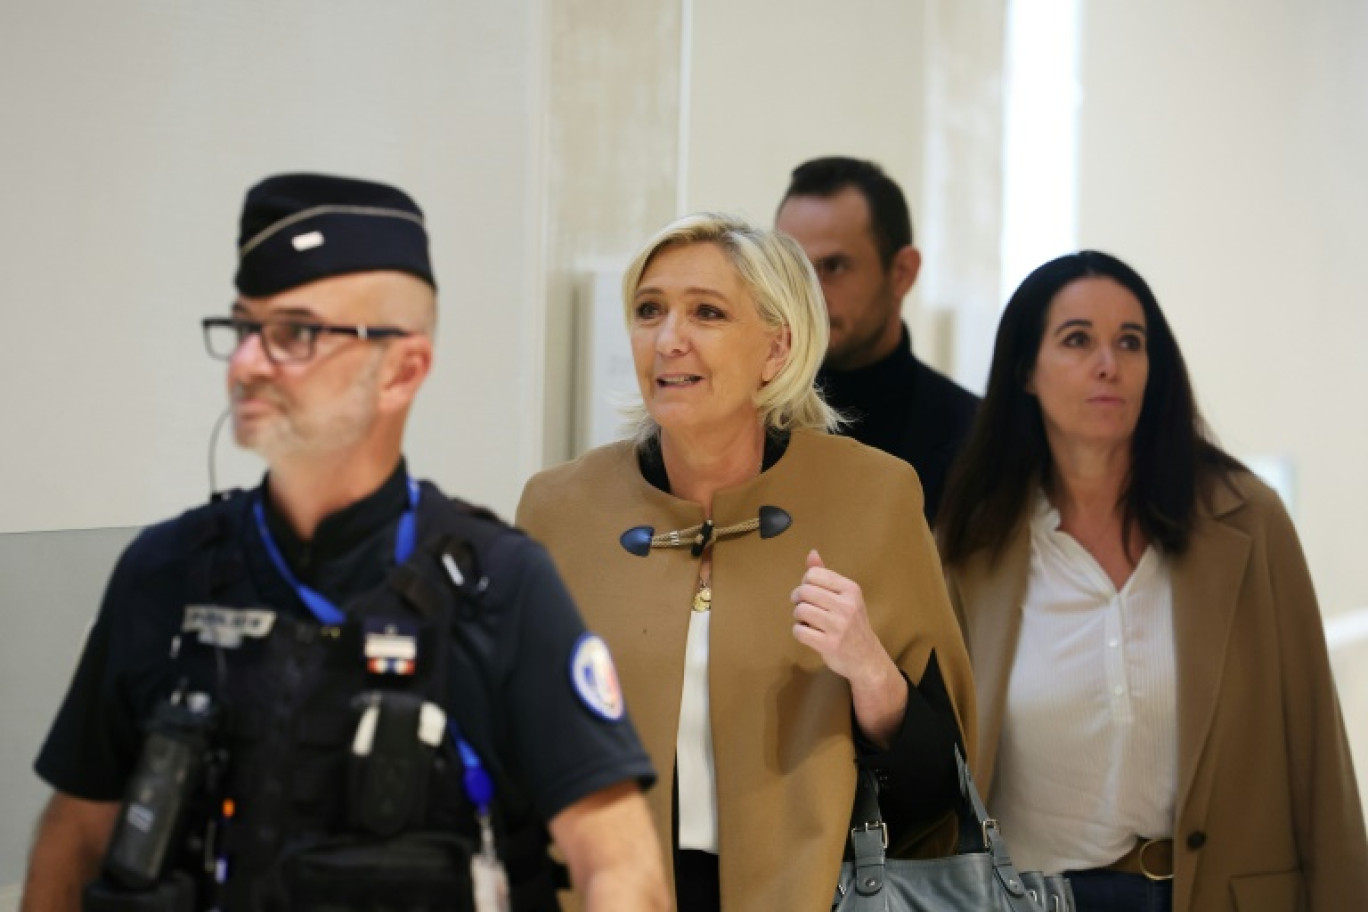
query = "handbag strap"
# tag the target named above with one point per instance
(868, 840)
(978, 833)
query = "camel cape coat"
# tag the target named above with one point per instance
(781, 720)
(1268, 817)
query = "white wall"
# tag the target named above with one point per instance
(771, 86)
(128, 134)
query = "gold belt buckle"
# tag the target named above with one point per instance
(1145, 846)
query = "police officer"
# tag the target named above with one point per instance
(371, 663)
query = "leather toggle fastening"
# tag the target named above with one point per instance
(639, 540)
(700, 541)
(774, 521)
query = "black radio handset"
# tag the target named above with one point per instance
(167, 776)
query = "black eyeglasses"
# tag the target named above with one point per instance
(285, 340)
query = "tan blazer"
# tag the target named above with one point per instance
(781, 720)
(1268, 816)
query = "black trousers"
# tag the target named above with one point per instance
(696, 885)
(1100, 890)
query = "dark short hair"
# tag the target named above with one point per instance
(889, 219)
(1173, 458)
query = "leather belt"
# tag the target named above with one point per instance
(1150, 857)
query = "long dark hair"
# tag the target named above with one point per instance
(1173, 458)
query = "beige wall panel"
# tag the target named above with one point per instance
(613, 143)
(959, 229)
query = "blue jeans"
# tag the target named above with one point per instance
(1100, 890)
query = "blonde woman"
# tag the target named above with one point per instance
(771, 593)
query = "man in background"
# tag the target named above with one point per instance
(852, 221)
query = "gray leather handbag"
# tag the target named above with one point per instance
(980, 878)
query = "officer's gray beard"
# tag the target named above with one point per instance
(329, 426)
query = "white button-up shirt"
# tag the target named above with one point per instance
(1088, 758)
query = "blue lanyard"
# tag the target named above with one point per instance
(320, 605)
(478, 785)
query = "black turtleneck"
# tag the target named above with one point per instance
(875, 397)
(901, 406)
(353, 548)
(652, 462)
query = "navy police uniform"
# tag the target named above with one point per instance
(529, 689)
(383, 717)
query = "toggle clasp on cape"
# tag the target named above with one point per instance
(639, 540)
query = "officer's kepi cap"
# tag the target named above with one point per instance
(297, 228)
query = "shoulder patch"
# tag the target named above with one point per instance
(595, 678)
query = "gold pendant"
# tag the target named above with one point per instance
(702, 600)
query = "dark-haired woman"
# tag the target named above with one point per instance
(1156, 709)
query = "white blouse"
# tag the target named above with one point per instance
(694, 744)
(1088, 759)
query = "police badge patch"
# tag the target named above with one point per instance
(595, 678)
(225, 627)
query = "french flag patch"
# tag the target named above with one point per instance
(390, 666)
(391, 648)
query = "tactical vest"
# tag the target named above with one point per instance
(296, 819)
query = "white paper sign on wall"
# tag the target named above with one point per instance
(605, 377)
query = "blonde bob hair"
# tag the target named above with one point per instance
(781, 281)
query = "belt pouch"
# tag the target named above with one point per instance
(414, 872)
(389, 766)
